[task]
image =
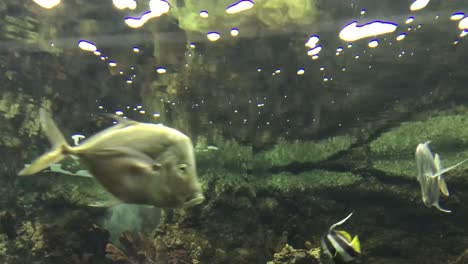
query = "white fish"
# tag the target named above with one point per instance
(430, 176)
(138, 163)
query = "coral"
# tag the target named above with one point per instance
(290, 255)
(30, 239)
(136, 248)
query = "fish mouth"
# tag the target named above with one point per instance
(198, 199)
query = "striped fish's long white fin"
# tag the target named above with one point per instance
(340, 222)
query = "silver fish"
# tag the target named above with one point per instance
(430, 176)
(138, 163)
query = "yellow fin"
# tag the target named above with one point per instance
(443, 186)
(345, 234)
(356, 245)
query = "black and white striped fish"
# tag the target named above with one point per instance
(339, 245)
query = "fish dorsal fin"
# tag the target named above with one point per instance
(121, 122)
(437, 163)
(340, 222)
(356, 245)
(345, 235)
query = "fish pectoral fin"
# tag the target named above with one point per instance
(356, 245)
(106, 204)
(443, 186)
(139, 166)
(449, 168)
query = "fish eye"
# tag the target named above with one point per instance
(156, 166)
(182, 167)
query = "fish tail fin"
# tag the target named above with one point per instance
(441, 209)
(356, 245)
(60, 148)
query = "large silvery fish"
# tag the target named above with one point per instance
(430, 176)
(138, 163)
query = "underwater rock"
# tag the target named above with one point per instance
(290, 255)
(7, 224)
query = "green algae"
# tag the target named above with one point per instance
(223, 156)
(285, 152)
(316, 179)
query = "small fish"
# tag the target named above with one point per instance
(339, 245)
(139, 163)
(430, 176)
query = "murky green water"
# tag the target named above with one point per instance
(299, 112)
